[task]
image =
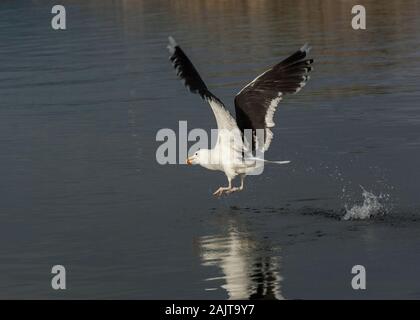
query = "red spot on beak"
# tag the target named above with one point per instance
(188, 161)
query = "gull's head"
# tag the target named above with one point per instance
(201, 157)
(194, 159)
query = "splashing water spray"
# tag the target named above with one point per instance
(372, 205)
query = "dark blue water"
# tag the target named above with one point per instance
(80, 185)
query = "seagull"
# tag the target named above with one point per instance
(242, 141)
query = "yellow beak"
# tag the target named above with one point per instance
(188, 161)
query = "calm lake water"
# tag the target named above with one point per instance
(80, 185)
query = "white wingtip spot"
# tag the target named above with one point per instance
(172, 44)
(306, 48)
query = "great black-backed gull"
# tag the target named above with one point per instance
(237, 152)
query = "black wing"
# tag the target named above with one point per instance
(256, 103)
(187, 72)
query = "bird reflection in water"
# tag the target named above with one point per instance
(250, 267)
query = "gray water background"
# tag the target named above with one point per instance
(80, 185)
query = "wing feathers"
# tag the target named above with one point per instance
(187, 72)
(297, 56)
(256, 103)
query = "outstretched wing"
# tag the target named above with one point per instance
(192, 80)
(256, 103)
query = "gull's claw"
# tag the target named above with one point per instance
(231, 190)
(226, 190)
(219, 192)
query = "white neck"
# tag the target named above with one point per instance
(210, 159)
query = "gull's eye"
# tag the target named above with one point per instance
(196, 153)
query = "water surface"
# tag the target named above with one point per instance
(80, 185)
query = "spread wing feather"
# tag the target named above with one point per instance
(256, 103)
(192, 80)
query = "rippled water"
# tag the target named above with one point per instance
(80, 186)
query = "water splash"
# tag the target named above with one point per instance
(372, 205)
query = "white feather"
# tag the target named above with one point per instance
(271, 109)
(172, 45)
